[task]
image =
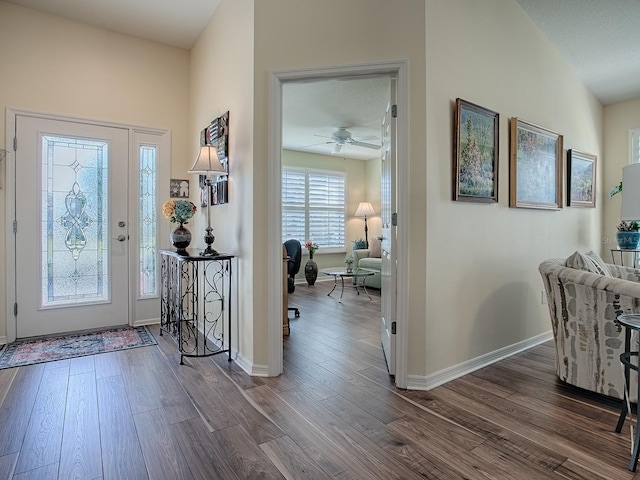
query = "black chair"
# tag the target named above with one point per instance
(294, 252)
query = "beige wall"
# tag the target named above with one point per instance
(472, 276)
(62, 67)
(222, 80)
(619, 118)
(483, 289)
(311, 34)
(356, 185)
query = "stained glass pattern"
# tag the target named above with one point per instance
(75, 233)
(148, 261)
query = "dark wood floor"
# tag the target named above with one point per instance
(333, 414)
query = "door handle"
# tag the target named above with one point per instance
(121, 238)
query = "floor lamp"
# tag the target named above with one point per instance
(363, 210)
(208, 163)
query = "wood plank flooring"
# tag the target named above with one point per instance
(333, 414)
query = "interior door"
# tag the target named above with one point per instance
(387, 210)
(71, 235)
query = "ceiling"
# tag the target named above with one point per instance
(598, 38)
(178, 23)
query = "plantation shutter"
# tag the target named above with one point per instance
(313, 207)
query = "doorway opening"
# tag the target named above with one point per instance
(397, 71)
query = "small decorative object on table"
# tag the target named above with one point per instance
(179, 211)
(311, 267)
(628, 235)
(349, 263)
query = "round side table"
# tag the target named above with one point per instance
(630, 322)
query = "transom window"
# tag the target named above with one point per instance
(313, 207)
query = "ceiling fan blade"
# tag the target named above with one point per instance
(365, 145)
(316, 144)
(337, 147)
(366, 137)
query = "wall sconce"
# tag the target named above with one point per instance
(208, 164)
(363, 210)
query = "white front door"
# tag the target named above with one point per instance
(72, 231)
(387, 210)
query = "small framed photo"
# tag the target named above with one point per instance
(581, 179)
(179, 188)
(535, 167)
(475, 153)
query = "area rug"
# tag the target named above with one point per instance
(27, 352)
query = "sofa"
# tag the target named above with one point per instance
(369, 259)
(585, 295)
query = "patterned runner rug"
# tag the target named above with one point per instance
(27, 352)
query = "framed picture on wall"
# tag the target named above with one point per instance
(535, 167)
(581, 179)
(475, 153)
(217, 135)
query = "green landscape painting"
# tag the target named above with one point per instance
(476, 164)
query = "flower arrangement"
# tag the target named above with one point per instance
(348, 260)
(311, 246)
(631, 226)
(178, 211)
(359, 244)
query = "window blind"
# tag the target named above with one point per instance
(313, 206)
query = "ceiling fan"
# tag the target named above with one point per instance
(342, 137)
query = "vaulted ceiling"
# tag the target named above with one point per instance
(598, 38)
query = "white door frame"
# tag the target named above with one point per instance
(11, 195)
(400, 70)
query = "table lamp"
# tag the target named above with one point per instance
(363, 210)
(208, 163)
(630, 192)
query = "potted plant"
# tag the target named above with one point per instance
(359, 244)
(349, 263)
(628, 234)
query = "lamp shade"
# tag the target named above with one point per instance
(630, 192)
(208, 162)
(365, 209)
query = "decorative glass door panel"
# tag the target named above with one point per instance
(75, 209)
(72, 226)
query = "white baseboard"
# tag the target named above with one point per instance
(3, 340)
(416, 382)
(251, 369)
(149, 321)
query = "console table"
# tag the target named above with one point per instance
(195, 302)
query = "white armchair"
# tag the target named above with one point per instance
(583, 307)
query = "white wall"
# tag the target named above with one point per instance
(63, 67)
(297, 34)
(221, 79)
(483, 288)
(619, 118)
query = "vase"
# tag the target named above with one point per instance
(628, 240)
(311, 270)
(180, 238)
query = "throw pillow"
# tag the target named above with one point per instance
(578, 261)
(598, 263)
(375, 248)
(587, 263)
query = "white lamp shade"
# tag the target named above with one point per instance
(365, 210)
(630, 192)
(208, 162)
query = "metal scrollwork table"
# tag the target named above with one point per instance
(195, 307)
